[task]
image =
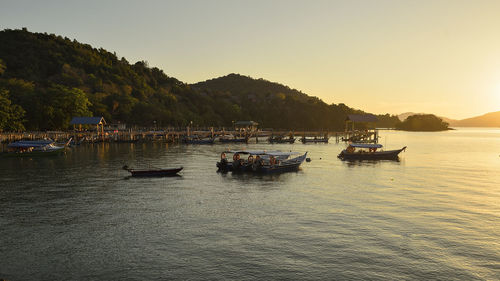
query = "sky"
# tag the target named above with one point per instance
(425, 56)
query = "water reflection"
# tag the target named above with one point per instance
(357, 163)
(431, 215)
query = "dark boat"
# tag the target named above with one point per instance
(280, 139)
(315, 140)
(197, 140)
(357, 151)
(156, 172)
(260, 161)
(233, 139)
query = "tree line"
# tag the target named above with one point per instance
(45, 80)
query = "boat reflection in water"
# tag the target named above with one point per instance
(367, 151)
(260, 161)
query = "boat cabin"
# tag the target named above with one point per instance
(363, 147)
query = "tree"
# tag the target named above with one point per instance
(11, 115)
(2, 67)
(63, 104)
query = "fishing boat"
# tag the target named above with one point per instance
(154, 172)
(260, 161)
(26, 148)
(367, 151)
(281, 139)
(198, 140)
(232, 139)
(315, 139)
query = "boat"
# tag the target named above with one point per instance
(198, 140)
(281, 139)
(367, 151)
(232, 139)
(155, 172)
(260, 161)
(315, 139)
(25, 148)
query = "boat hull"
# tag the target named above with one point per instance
(286, 166)
(323, 140)
(154, 173)
(382, 155)
(281, 140)
(40, 153)
(210, 141)
(244, 140)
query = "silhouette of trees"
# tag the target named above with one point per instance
(52, 79)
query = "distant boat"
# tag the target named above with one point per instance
(198, 140)
(260, 161)
(33, 148)
(358, 151)
(155, 172)
(281, 139)
(232, 139)
(315, 139)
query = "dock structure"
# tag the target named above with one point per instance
(169, 135)
(367, 134)
(93, 130)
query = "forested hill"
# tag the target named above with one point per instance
(274, 105)
(46, 79)
(277, 106)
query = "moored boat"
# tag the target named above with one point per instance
(367, 151)
(198, 140)
(154, 172)
(232, 139)
(260, 161)
(26, 148)
(281, 139)
(315, 139)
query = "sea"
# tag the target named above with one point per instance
(432, 215)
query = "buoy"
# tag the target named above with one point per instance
(308, 159)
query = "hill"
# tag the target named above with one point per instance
(46, 79)
(423, 122)
(403, 116)
(491, 119)
(277, 106)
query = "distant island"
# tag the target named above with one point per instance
(491, 119)
(46, 79)
(423, 122)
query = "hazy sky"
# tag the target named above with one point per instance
(431, 56)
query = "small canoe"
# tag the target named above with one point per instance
(155, 172)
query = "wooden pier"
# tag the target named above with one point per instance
(176, 136)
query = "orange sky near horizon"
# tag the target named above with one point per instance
(388, 56)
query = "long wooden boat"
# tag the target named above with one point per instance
(194, 140)
(233, 139)
(366, 151)
(314, 140)
(155, 172)
(280, 139)
(259, 161)
(33, 149)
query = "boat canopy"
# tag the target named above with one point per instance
(275, 153)
(39, 143)
(366, 145)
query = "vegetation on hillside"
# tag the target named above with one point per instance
(46, 79)
(423, 122)
(278, 106)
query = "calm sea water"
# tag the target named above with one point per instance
(433, 215)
